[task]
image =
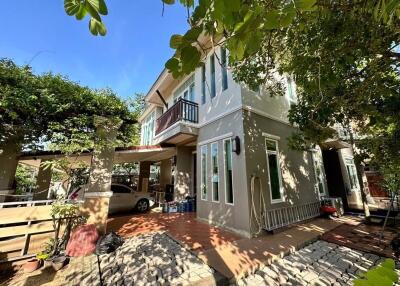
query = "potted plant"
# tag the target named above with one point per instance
(59, 262)
(32, 265)
(43, 257)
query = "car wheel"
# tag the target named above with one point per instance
(142, 205)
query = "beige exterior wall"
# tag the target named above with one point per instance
(165, 173)
(275, 107)
(236, 216)
(183, 173)
(297, 171)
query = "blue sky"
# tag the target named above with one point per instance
(128, 59)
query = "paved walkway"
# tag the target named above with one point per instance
(237, 259)
(182, 226)
(364, 237)
(320, 263)
(147, 259)
(231, 255)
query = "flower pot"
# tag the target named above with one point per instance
(32, 265)
(59, 262)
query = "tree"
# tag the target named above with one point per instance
(50, 109)
(137, 105)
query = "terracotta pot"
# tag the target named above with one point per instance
(59, 262)
(32, 265)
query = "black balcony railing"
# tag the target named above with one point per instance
(182, 110)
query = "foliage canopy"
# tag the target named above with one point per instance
(50, 109)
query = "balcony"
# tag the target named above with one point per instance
(183, 110)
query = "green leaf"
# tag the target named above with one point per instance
(99, 5)
(81, 13)
(375, 278)
(103, 7)
(71, 7)
(192, 34)
(304, 4)
(97, 27)
(175, 41)
(190, 58)
(272, 20)
(235, 5)
(92, 11)
(361, 282)
(187, 3)
(102, 28)
(287, 16)
(172, 64)
(254, 43)
(388, 272)
(169, 2)
(388, 263)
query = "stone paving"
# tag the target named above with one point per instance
(150, 259)
(320, 264)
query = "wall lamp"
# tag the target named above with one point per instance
(236, 145)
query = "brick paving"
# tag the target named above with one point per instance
(239, 258)
(182, 226)
(320, 263)
(363, 237)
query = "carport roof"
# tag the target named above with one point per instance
(152, 153)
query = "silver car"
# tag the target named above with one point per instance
(123, 198)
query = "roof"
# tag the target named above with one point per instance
(152, 153)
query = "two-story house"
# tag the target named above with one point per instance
(231, 149)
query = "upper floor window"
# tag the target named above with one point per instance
(148, 130)
(212, 76)
(274, 170)
(203, 84)
(291, 90)
(224, 63)
(185, 90)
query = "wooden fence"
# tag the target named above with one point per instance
(24, 228)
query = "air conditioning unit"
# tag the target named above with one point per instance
(337, 203)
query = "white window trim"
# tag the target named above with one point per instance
(212, 173)
(314, 154)
(201, 173)
(225, 174)
(217, 138)
(145, 125)
(281, 190)
(358, 188)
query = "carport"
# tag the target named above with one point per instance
(144, 155)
